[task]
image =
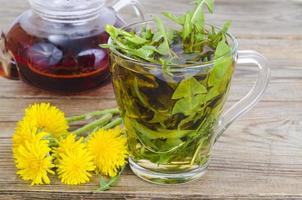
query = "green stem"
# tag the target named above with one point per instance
(196, 153)
(90, 115)
(114, 123)
(97, 123)
(105, 185)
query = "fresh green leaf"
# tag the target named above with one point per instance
(166, 68)
(144, 52)
(135, 39)
(187, 28)
(105, 46)
(193, 34)
(222, 60)
(188, 105)
(200, 37)
(213, 92)
(162, 30)
(226, 27)
(106, 184)
(160, 117)
(160, 133)
(157, 37)
(115, 32)
(146, 33)
(188, 88)
(209, 3)
(171, 35)
(179, 20)
(203, 142)
(168, 145)
(141, 96)
(197, 18)
(112, 31)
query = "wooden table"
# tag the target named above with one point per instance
(259, 157)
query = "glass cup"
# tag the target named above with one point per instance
(173, 117)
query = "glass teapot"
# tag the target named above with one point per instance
(55, 44)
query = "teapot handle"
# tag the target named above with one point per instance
(135, 4)
(254, 95)
(8, 67)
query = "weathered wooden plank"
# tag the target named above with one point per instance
(250, 18)
(259, 157)
(11, 110)
(276, 50)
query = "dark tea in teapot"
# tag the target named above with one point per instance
(55, 44)
(59, 62)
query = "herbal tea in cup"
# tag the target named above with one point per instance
(171, 85)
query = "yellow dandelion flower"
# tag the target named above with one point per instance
(68, 145)
(25, 131)
(46, 117)
(109, 149)
(74, 161)
(33, 160)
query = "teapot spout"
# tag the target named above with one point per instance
(8, 67)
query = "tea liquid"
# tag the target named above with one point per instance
(158, 139)
(60, 62)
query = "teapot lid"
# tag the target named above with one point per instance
(67, 10)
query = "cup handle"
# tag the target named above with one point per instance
(135, 4)
(253, 96)
(8, 67)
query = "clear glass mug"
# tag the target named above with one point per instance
(170, 134)
(55, 44)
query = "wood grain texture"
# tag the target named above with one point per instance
(258, 157)
(252, 19)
